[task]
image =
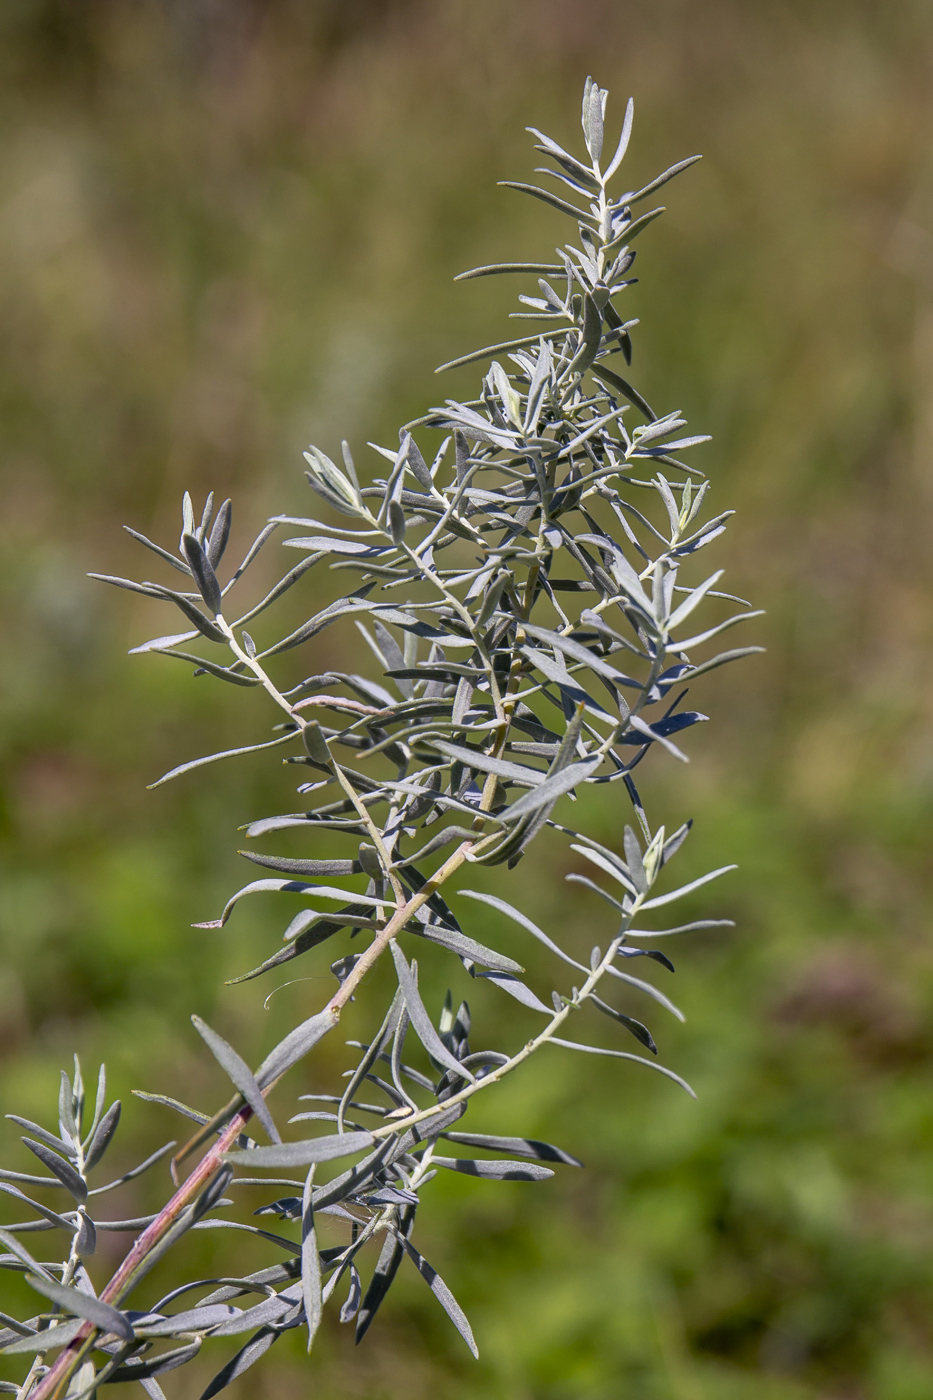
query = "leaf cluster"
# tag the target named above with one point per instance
(529, 601)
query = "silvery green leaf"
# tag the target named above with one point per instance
(199, 1319)
(49, 1339)
(492, 268)
(162, 644)
(634, 397)
(149, 590)
(393, 657)
(371, 1055)
(484, 763)
(310, 1263)
(239, 1073)
(491, 599)
(524, 1147)
(560, 676)
(634, 860)
(211, 668)
(558, 153)
(655, 736)
(153, 1157)
(78, 1304)
(319, 929)
(493, 1170)
(594, 106)
(647, 987)
(26, 1180)
(661, 179)
(292, 887)
(578, 652)
(515, 989)
(271, 1310)
(216, 757)
(328, 481)
(380, 1283)
(295, 1046)
(350, 465)
(663, 728)
(624, 1055)
(303, 867)
(48, 1138)
(623, 141)
(152, 1388)
(246, 1357)
(551, 789)
(85, 1241)
(193, 613)
(22, 1253)
(420, 1019)
(352, 1305)
(680, 928)
(660, 899)
(720, 660)
(547, 197)
(419, 467)
(101, 1140)
(60, 1222)
(623, 572)
(504, 908)
(442, 1293)
(633, 229)
(680, 444)
(488, 350)
(220, 534)
(167, 1102)
(640, 1032)
(69, 1178)
(157, 549)
(466, 947)
(302, 1154)
(591, 334)
(327, 544)
(397, 522)
(144, 1369)
(66, 1111)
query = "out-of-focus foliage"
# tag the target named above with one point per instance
(226, 230)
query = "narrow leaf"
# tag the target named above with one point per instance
(526, 923)
(77, 1304)
(295, 1046)
(216, 757)
(551, 789)
(493, 1170)
(687, 889)
(443, 1295)
(247, 1356)
(69, 1178)
(302, 1154)
(310, 1262)
(524, 1147)
(624, 1055)
(640, 1032)
(380, 1283)
(239, 1073)
(420, 1019)
(102, 1136)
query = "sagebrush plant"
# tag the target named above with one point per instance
(523, 652)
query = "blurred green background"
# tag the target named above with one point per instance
(229, 227)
